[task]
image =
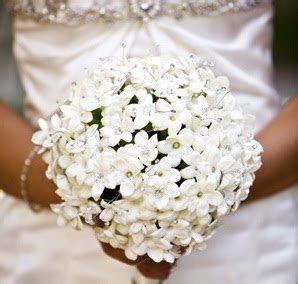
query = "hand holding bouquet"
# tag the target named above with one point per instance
(155, 148)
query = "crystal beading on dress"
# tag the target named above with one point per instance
(73, 12)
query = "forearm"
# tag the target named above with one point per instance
(280, 158)
(15, 145)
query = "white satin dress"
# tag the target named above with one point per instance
(256, 245)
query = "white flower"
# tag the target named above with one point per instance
(156, 248)
(162, 173)
(97, 184)
(177, 146)
(67, 214)
(168, 88)
(90, 211)
(141, 111)
(49, 133)
(105, 171)
(135, 210)
(108, 212)
(147, 147)
(144, 148)
(76, 116)
(88, 140)
(198, 104)
(77, 169)
(116, 128)
(200, 197)
(126, 169)
(195, 165)
(90, 103)
(158, 196)
(110, 235)
(174, 115)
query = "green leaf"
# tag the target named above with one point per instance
(134, 100)
(97, 116)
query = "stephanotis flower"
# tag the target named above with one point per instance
(144, 148)
(162, 173)
(96, 183)
(194, 165)
(200, 198)
(147, 147)
(105, 171)
(67, 213)
(136, 212)
(126, 169)
(49, 133)
(155, 148)
(153, 244)
(116, 128)
(77, 169)
(158, 196)
(177, 146)
(174, 115)
(75, 114)
(141, 111)
(86, 141)
(168, 89)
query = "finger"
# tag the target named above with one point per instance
(143, 259)
(155, 270)
(155, 265)
(117, 254)
(154, 274)
(98, 222)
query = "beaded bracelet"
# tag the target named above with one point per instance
(24, 176)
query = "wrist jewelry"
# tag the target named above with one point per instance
(23, 179)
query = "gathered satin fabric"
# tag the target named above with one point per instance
(255, 245)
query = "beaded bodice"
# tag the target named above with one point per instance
(77, 12)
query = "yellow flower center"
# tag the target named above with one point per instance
(129, 174)
(176, 145)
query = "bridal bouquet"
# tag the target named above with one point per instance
(155, 148)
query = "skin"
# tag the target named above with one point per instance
(15, 145)
(280, 158)
(279, 170)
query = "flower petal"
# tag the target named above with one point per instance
(90, 103)
(55, 120)
(188, 172)
(156, 254)
(127, 188)
(164, 147)
(97, 190)
(73, 170)
(202, 207)
(163, 106)
(173, 175)
(106, 215)
(141, 138)
(130, 254)
(214, 198)
(140, 121)
(135, 228)
(39, 137)
(126, 136)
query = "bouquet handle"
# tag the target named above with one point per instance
(140, 279)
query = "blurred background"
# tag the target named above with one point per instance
(285, 46)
